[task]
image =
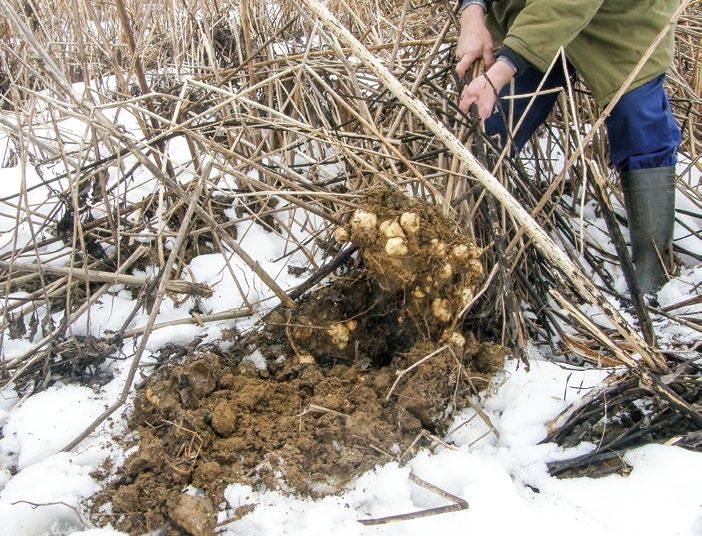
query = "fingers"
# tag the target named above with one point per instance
(479, 93)
(488, 55)
(462, 66)
(467, 99)
(485, 106)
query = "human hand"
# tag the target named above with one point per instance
(483, 90)
(474, 40)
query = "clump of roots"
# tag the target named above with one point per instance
(420, 273)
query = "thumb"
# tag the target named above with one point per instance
(466, 100)
(488, 56)
(485, 107)
(463, 65)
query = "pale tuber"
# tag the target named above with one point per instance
(465, 295)
(339, 335)
(441, 309)
(410, 222)
(341, 235)
(461, 253)
(437, 248)
(396, 247)
(445, 272)
(391, 229)
(418, 293)
(475, 266)
(363, 221)
(456, 339)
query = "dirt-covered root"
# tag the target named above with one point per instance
(299, 428)
(419, 272)
(409, 247)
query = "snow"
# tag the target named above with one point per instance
(679, 289)
(108, 313)
(47, 422)
(683, 287)
(57, 479)
(504, 480)
(687, 224)
(257, 360)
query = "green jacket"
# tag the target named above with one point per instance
(603, 39)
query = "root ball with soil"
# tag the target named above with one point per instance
(353, 375)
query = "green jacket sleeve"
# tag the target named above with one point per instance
(544, 26)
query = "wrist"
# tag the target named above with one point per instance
(473, 13)
(500, 74)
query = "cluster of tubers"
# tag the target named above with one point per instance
(419, 273)
(394, 232)
(416, 251)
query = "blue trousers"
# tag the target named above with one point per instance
(641, 130)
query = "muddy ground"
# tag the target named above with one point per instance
(348, 379)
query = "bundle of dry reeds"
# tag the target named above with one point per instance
(271, 102)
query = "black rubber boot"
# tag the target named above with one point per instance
(649, 196)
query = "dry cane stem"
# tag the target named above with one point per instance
(97, 276)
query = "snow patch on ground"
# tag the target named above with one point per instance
(56, 485)
(676, 291)
(47, 422)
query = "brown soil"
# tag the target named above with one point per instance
(326, 408)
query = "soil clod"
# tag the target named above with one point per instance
(194, 514)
